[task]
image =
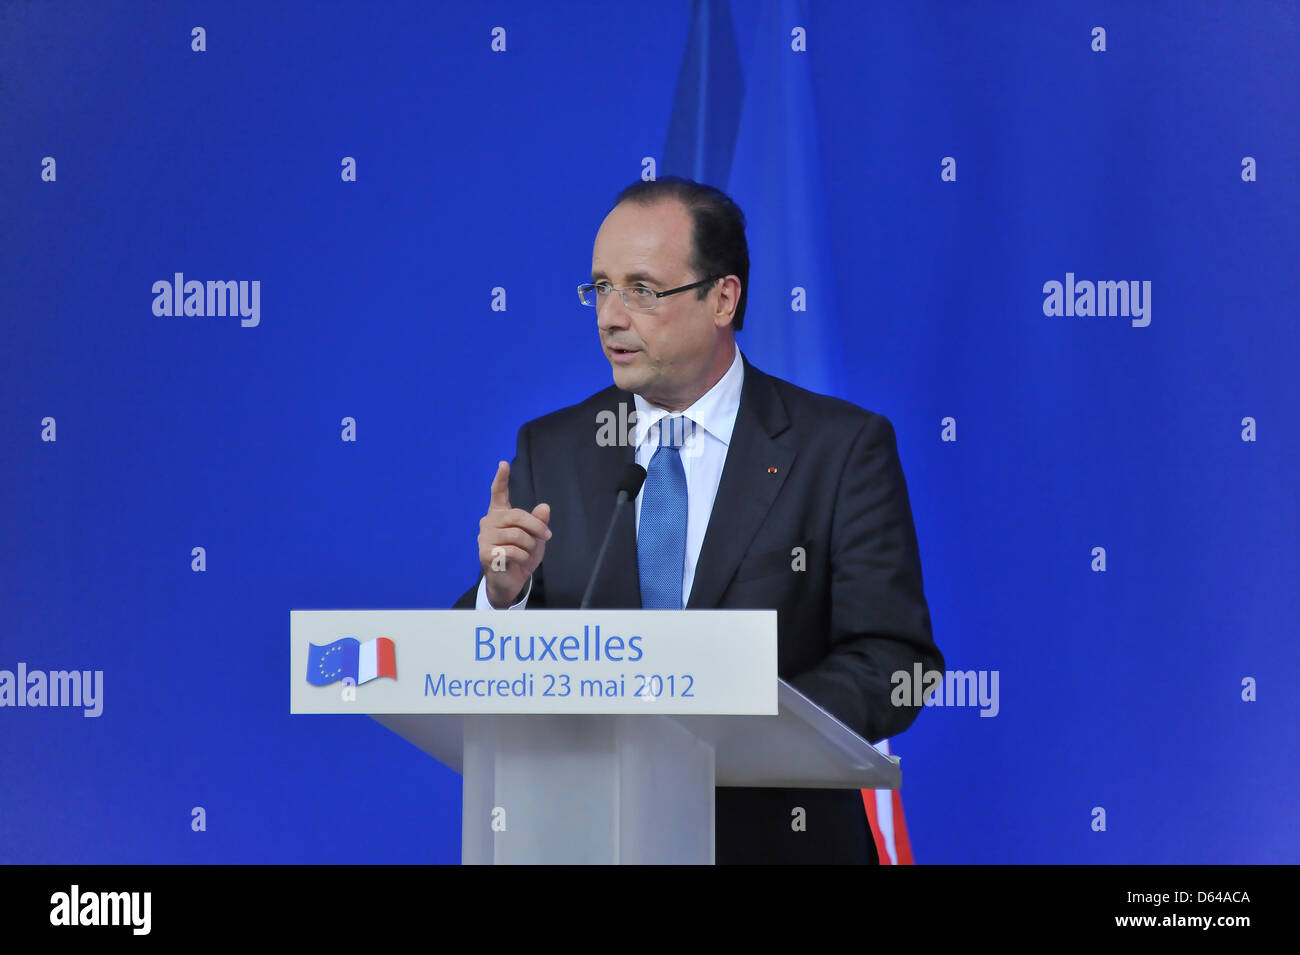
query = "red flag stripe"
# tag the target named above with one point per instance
(386, 658)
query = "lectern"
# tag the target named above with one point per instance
(583, 736)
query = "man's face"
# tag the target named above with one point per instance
(667, 355)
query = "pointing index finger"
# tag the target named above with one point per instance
(501, 487)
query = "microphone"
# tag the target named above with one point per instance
(629, 486)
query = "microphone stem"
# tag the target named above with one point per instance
(600, 556)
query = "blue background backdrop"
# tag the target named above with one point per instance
(480, 169)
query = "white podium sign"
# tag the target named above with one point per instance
(702, 662)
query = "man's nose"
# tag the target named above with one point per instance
(613, 312)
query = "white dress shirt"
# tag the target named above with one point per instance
(703, 456)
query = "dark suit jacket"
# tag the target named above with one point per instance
(848, 620)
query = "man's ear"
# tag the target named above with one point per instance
(728, 300)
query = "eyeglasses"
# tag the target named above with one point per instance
(635, 296)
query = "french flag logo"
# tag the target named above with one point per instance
(350, 659)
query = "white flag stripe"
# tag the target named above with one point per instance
(368, 664)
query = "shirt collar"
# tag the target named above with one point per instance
(714, 411)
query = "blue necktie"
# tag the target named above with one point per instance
(661, 534)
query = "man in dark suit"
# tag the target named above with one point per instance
(759, 495)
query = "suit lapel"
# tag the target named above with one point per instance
(747, 488)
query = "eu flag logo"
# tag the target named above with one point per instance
(350, 659)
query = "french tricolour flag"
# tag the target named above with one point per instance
(888, 826)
